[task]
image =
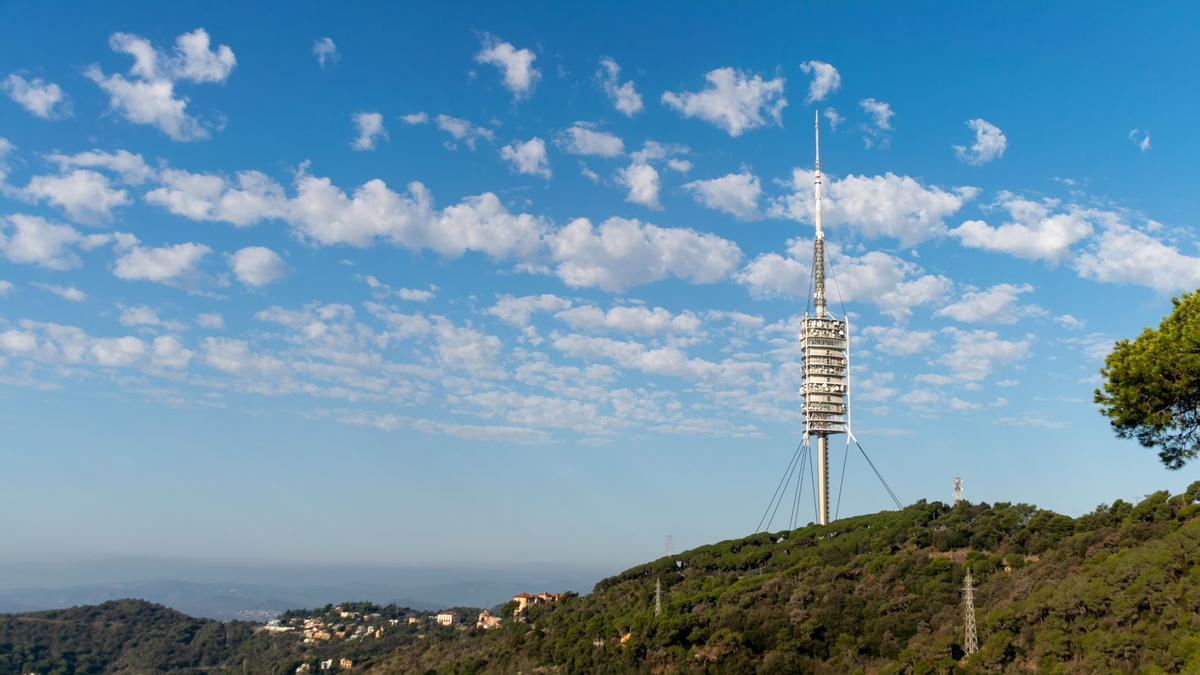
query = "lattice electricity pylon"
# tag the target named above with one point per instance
(970, 639)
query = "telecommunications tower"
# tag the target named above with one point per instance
(825, 349)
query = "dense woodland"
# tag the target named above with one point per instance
(1117, 590)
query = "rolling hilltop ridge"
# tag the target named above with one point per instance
(1116, 590)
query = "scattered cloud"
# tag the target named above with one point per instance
(989, 144)
(891, 206)
(733, 101)
(40, 98)
(131, 167)
(415, 118)
(582, 139)
(165, 264)
(998, 304)
(623, 95)
(462, 130)
(148, 96)
(86, 196)
(736, 194)
(68, 293)
(1122, 254)
(880, 122)
(326, 52)
(370, 130)
(528, 157)
(33, 240)
(1037, 230)
(1143, 143)
(643, 183)
(825, 80)
(516, 64)
(623, 253)
(257, 266)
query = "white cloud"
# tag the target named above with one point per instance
(998, 304)
(653, 150)
(643, 183)
(623, 253)
(464, 349)
(68, 293)
(899, 341)
(462, 130)
(5, 287)
(169, 352)
(517, 65)
(149, 97)
(517, 311)
(990, 143)
(85, 195)
(897, 207)
(257, 266)
(164, 264)
(326, 51)
(623, 95)
(528, 158)
(144, 316)
(736, 194)
(668, 361)
(32, 240)
(581, 139)
(825, 79)
(41, 98)
(1122, 254)
(149, 102)
(835, 118)
(1144, 143)
(632, 320)
(233, 356)
(679, 165)
(415, 118)
(880, 113)
(733, 101)
(131, 167)
(6, 148)
(1035, 231)
(895, 286)
(415, 294)
(976, 354)
(1070, 322)
(210, 320)
(370, 130)
(253, 197)
(323, 214)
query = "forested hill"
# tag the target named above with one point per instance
(1117, 590)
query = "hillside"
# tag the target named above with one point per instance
(1117, 590)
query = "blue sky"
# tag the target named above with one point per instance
(406, 285)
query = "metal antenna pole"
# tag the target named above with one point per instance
(819, 302)
(971, 638)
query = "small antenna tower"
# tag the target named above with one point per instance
(957, 490)
(972, 639)
(658, 580)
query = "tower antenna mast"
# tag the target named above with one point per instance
(825, 346)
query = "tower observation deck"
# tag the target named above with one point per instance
(825, 350)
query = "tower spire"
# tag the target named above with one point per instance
(819, 241)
